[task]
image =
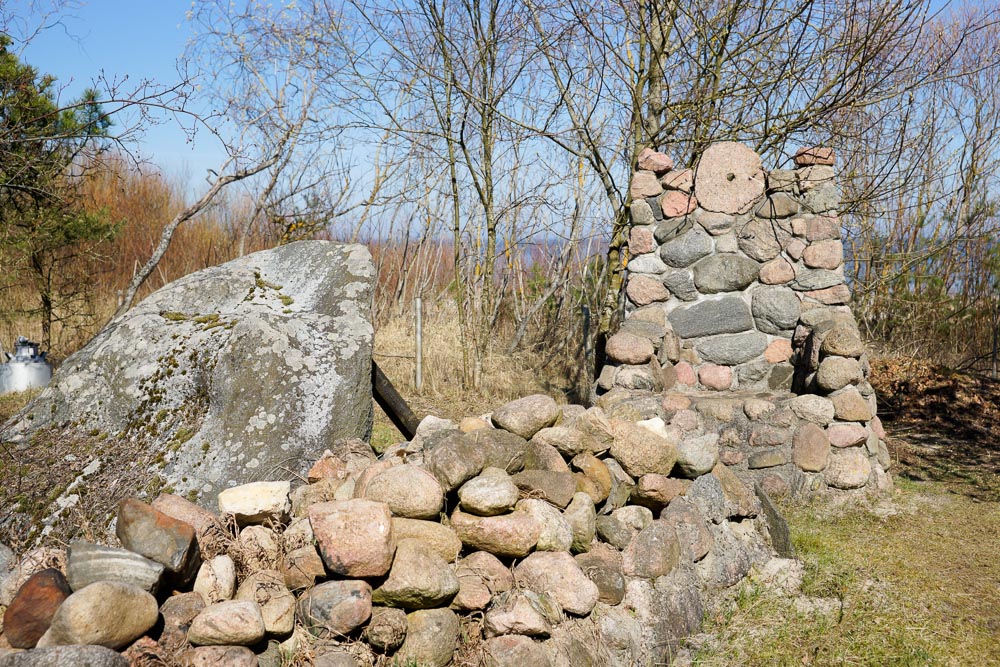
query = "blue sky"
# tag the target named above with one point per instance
(138, 39)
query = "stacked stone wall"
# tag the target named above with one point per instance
(736, 284)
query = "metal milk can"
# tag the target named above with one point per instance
(26, 368)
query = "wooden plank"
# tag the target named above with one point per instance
(392, 403)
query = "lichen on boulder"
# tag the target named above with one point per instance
(239, 372)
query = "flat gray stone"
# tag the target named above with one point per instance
(816, 279)
(729, 314)
(714, 223)
(645, 329)
(686, 249)
(732, 349)
(642, 213)
(89, 563)
(778, 205)
(768, 459)
(66, 656)
(777, 527)
(775, 309)
(761, 239)
(724, 273)
(823, 197)
(671, 229)
(646, 264)
(681, 284)
(782, 180)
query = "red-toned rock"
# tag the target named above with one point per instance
(654, 161)
(877, 428)
(656, 491)
(676, 203)
(514, 651)
(645, 184)
(846, 435)
(159, 537)
(30, 613)
(326, 467)
(685, 374)
(810, 448)
(795, 248)
(641, 241)
(831, 296)
(817, 228)
(850, 406)
(207, 526)
(827, 254)
(776, 272)
(596, 471)
(354, 537)
(302, 567)
(716, 377)
(643, 290)
(673, 403)
(812, 155)
(679, 179)
(779, 350)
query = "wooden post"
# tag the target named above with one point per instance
(418, 379)
(392, 403)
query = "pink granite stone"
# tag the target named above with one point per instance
(685, 374)
(716, 377)
(777, 272)
(643, 290)
(676, 203)
(679, 179)
(645, 184)
(778, 351)
(827, 254)
(654, 161)
(808, 156)
(641, 241)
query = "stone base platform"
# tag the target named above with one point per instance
(793, 445)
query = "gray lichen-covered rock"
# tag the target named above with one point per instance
(725, 272)
(242, 370)
(719, 316)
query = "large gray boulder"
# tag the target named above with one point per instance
(236, 373)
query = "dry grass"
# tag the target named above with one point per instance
(445, 392)
(913, 581)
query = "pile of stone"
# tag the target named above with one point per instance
(537, 535)
(736, 284)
